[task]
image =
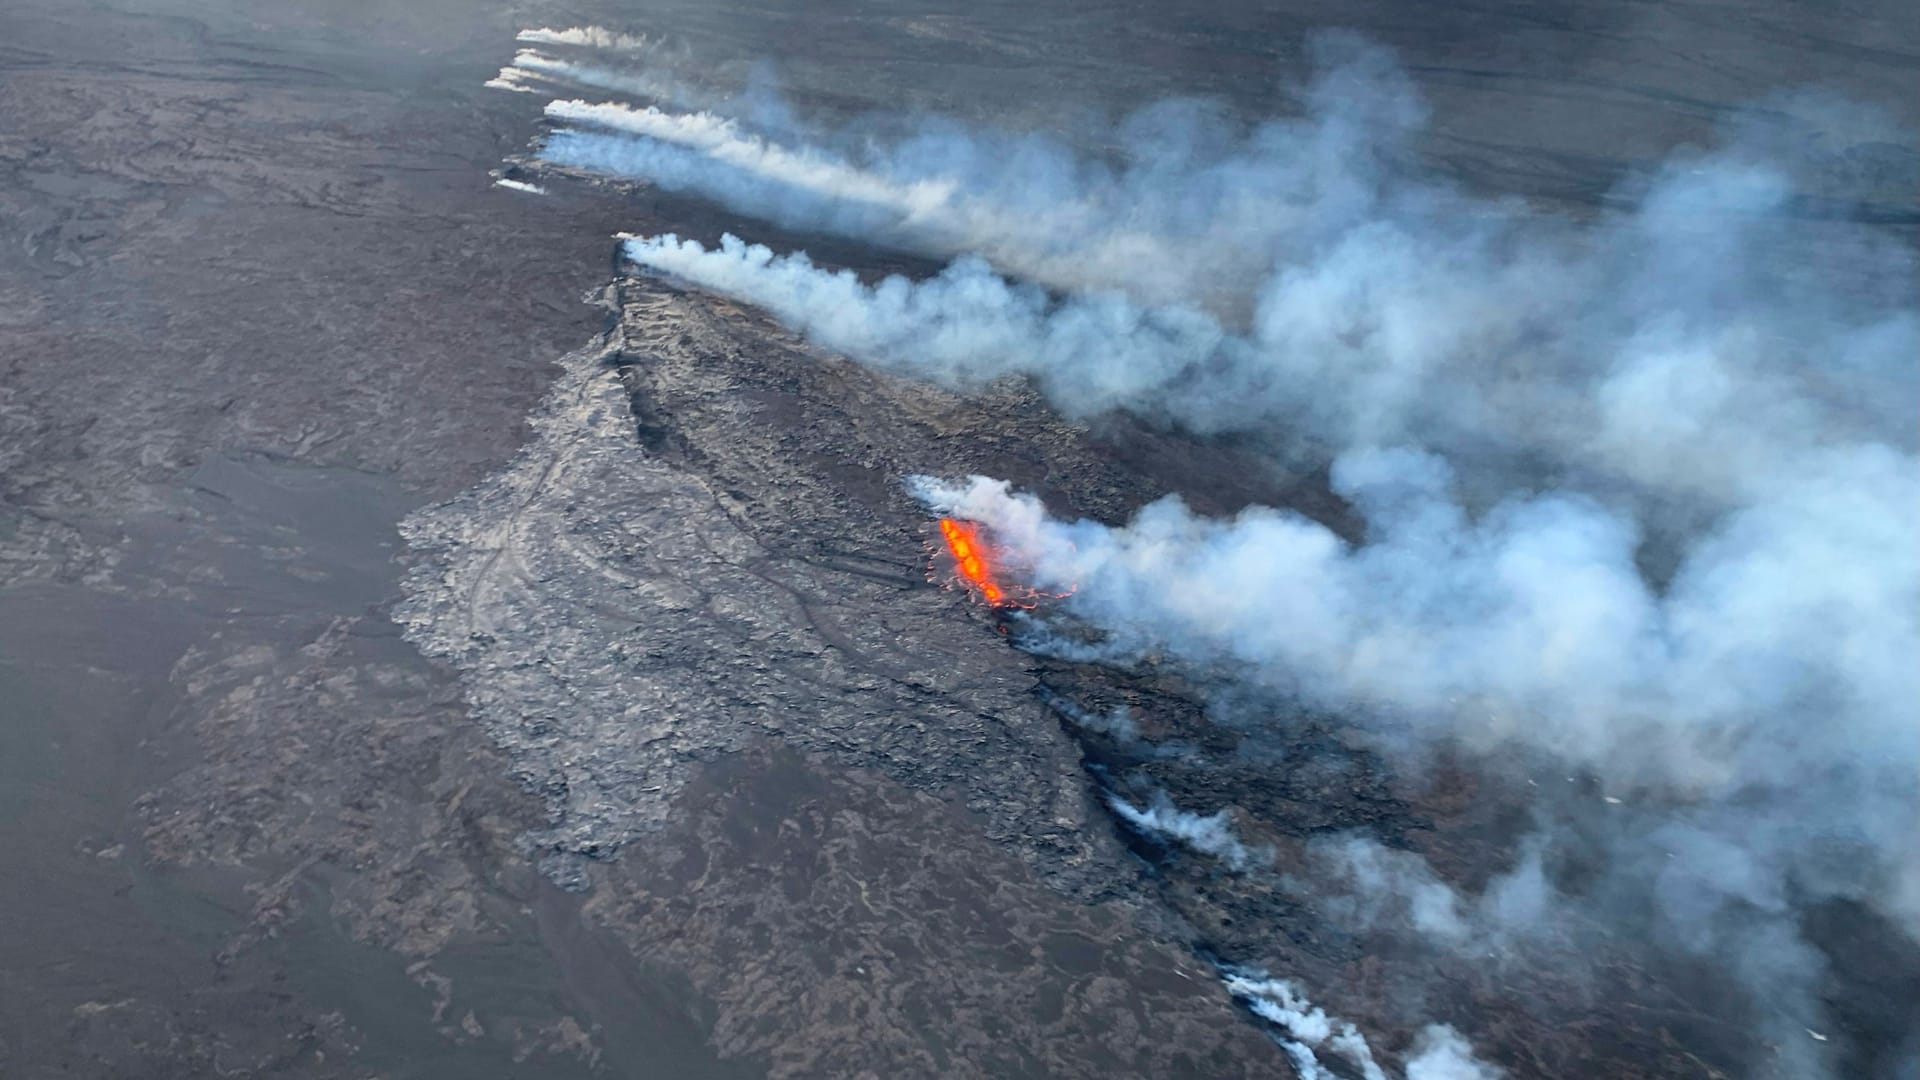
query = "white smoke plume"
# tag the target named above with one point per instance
(1384, 305)
(1440, 1053)
(654, 83)
(1681, 346)
(514, 80)
(1209, 834)
(1754, 702)
(592, 37)
(1189, 208)
(1762, 705)
(1720, 412)
(1307, 1026)
(1774, 664)
(965, 327)
(702, 131)
(821, 189)
(1362, 885)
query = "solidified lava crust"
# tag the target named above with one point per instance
(708, 546)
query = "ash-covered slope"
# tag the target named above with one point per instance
(702, 628)
(696, 614)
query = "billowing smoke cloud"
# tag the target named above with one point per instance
(1442, 1054)
(1209, 834)
(1305, 1027)
(1751, 706)
(1190, 208)
(1306, 1032)
(965, 327)
(1532, 622)
(592, 37)
(1375, 885)
(1683, 345)
(1718, 411)
(1385, 307)
(703, 152)
(1760, 709)
(656, 82)
(514, 80)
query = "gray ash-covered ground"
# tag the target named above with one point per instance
(730, 567)
(247, 828)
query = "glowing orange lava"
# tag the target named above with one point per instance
(970, 556)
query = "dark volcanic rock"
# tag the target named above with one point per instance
(258, 301)
(635, 618)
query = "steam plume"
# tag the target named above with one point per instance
(1440, 1053)
(1716, 411)
(1672, 379)
(818, 189)
(654, 83)
(513, 80)
(1190, 208)
(587, 37)
(1682, 346)
(1208, 834)
(1761, 707)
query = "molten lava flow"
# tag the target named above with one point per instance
(970, 556)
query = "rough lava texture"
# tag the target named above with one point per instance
(260, 303)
